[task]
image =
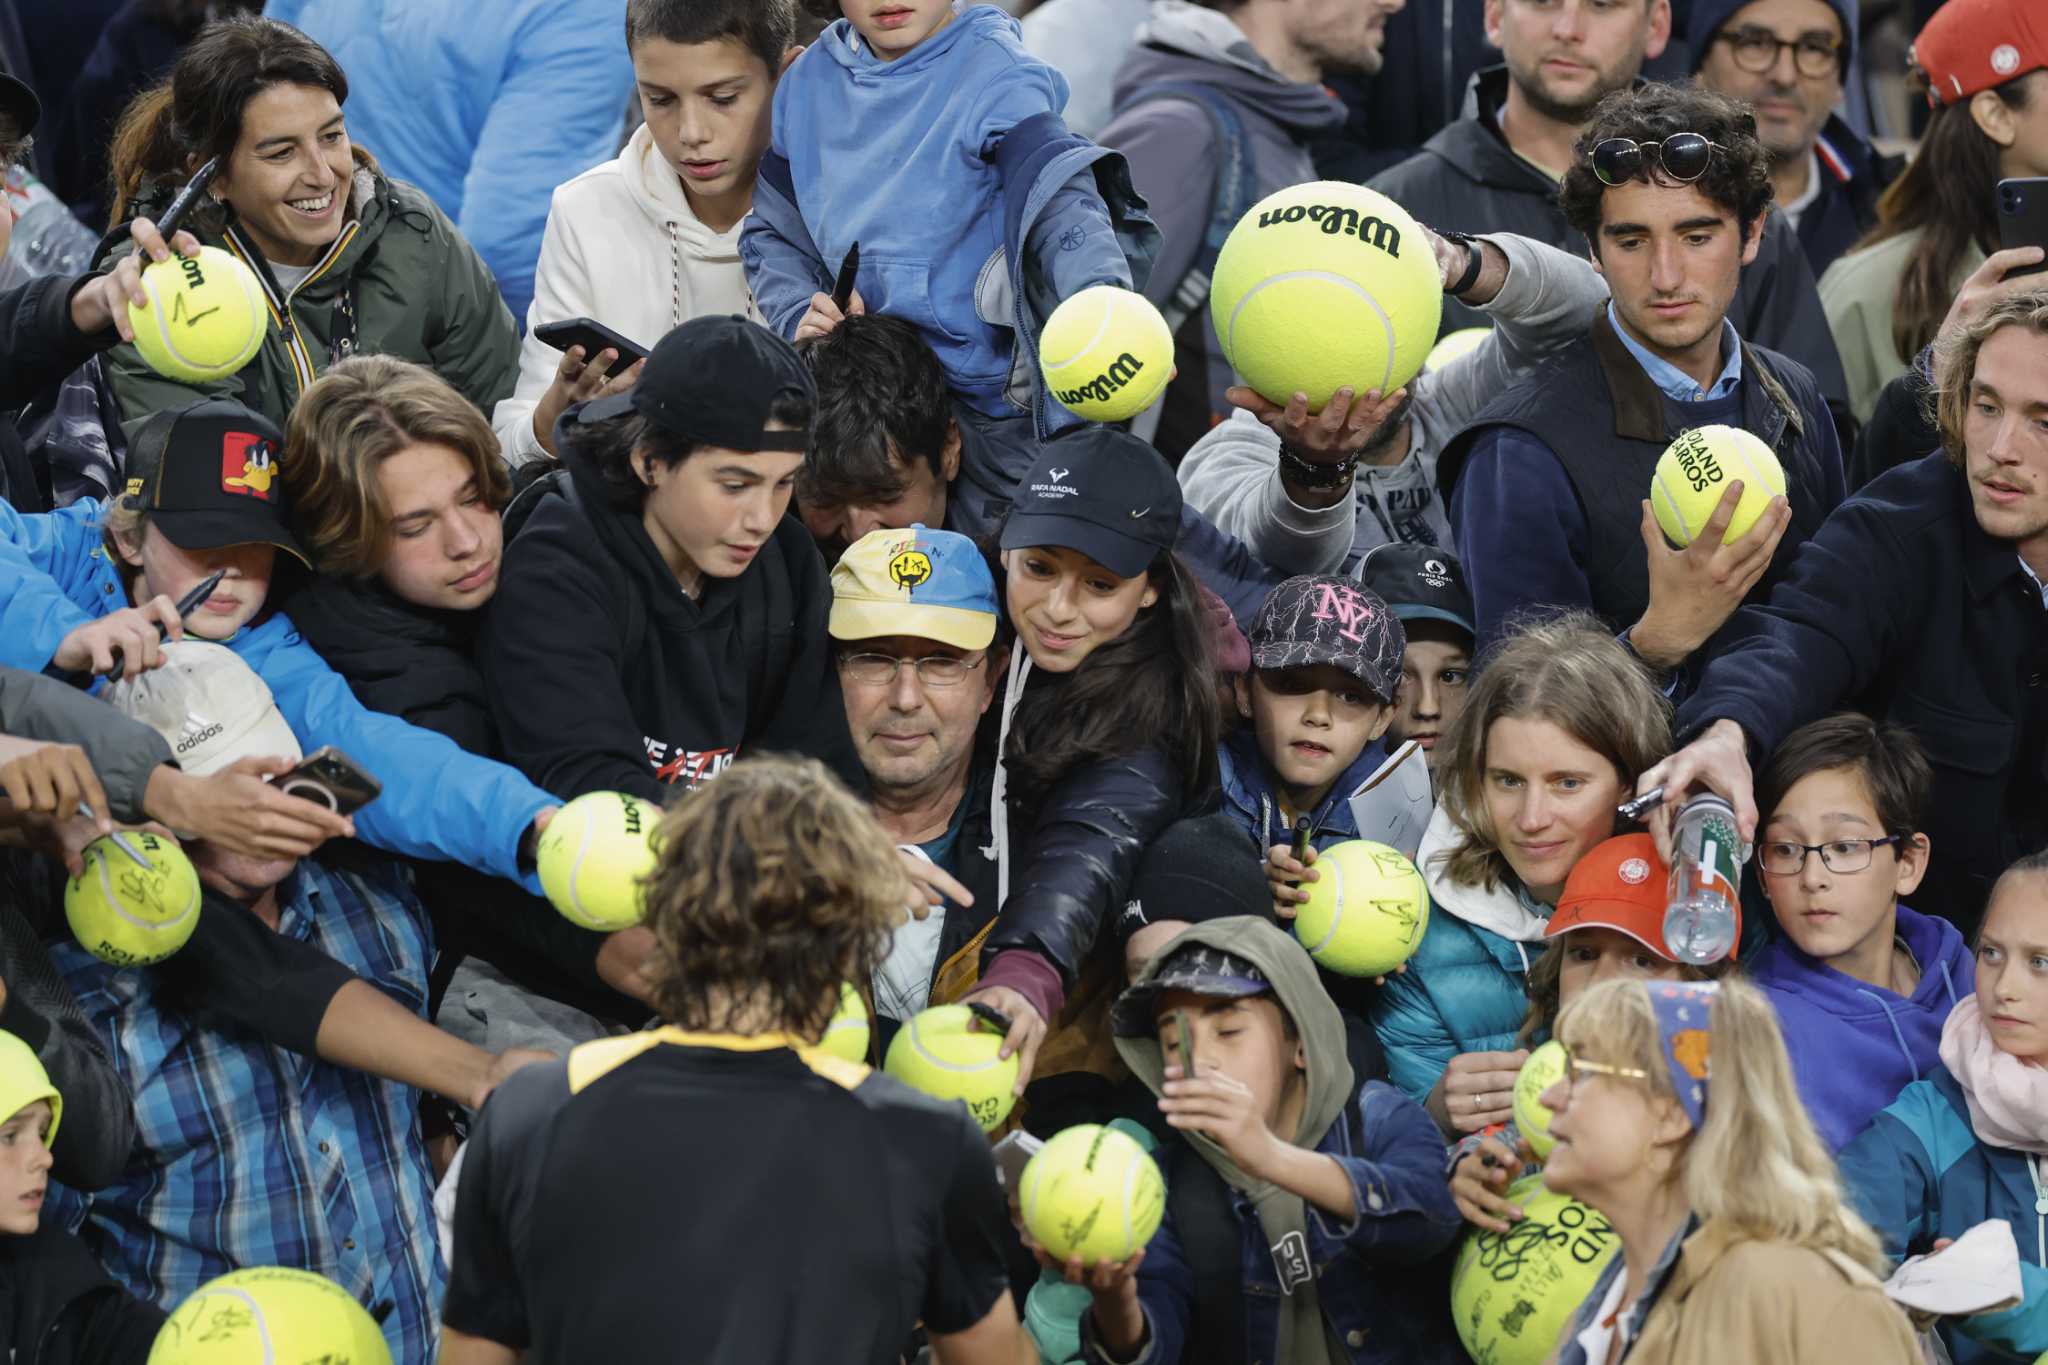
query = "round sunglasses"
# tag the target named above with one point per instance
(1683, 157)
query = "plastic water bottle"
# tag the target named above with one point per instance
(1706, 861)
(47, 239)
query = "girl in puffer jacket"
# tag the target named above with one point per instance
(1108, 733)
(1559, 724)
(1970, 1143)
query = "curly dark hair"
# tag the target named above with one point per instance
(774, 887)
(1738, 178)
(882, 400)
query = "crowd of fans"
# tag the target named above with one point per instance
(826, 572)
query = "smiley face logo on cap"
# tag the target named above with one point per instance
(910, 569)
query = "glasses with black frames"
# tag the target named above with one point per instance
(1683, 157)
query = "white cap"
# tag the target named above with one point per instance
(209, 706)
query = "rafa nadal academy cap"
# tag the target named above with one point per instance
(211, 474)
(1102, 492)
(934, 585)
(715, 381)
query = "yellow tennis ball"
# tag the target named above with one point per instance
(1106, 353)
(206, 316)
(1544, 1069)
(936, 1052)
(269, 1315)
(1325, 286)
(1513, 1291)
(128, 914)
(595, 855)
(1462, 342)
(847, 1035)
(1366, 909)
(1694, 472)
(1092, 1191)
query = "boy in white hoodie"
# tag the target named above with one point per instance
(667, 210)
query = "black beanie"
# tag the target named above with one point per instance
(1199, 869)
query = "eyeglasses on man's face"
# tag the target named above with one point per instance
(933, 670)
(1756, 51)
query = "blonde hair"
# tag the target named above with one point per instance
(1955, 361)
(1572, 672)
(1757, 1163)
(359, 414)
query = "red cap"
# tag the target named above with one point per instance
(1621, 885)
(1972, 45)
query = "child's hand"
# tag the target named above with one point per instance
(1283, 869)
(1224, 1110)
(1476, 1185)
(825, 315)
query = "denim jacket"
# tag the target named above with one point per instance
(1248, 794)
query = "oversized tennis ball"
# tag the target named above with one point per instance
(269, 1315)
(127, 914)
(1513, 1291)
(1462, 342)
(1694, 472)
(1323, 286)
(847, 1035)
(595, 855)
(936, 1052)
(1092, 1191)
(1366, 909)
(1106, 353)
(206, 316)
(1544, 1069)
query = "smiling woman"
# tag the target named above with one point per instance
(349, 260)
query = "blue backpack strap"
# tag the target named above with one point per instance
(1233, 196)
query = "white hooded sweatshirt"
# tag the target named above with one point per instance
(622, 248)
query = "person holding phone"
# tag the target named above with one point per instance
(650, 239)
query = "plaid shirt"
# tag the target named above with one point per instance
(249, 1155)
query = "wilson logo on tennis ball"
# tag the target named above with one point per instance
(1337, 220)
(1122, 371)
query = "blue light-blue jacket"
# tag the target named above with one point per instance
(1467, 987)
(1250, 797)
(975, 211)
(485, 107)
(1919, 1172)
(439, 801)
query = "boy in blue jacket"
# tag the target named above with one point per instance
(1861, 983)
(929, 138)
(1321, 1200)
(205, 493)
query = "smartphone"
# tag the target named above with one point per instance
(331, 778)
(2023, 217)
(592, 336)
(1183, 1050)
(1013, 1153)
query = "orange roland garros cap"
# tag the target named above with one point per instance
(1621, 885)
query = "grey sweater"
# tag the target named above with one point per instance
(1232, 475)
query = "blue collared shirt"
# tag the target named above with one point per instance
(1676, 383)
(250, 1155)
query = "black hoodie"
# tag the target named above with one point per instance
(604, 676)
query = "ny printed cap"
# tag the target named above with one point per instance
(1321, 619)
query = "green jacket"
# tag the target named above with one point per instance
(417, 289)
(1857, 294)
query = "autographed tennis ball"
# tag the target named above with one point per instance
(1106, 353)
(937, 1051)
(206, 317)
(1094, 1192)
(1694, 472)
(269, 1315)
(1544, 1069)
(1513, 1291)
(847, 1035)
(594, 857)
(1323, 286)
(127, 914)
(1366, 909)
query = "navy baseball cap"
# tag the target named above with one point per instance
(1419, 583)
(1102, 492)
(1196, 967)
(714, 381)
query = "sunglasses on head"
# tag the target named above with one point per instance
(1683, 157)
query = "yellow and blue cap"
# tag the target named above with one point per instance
(934, 585)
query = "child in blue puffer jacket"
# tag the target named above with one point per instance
(929, 138)
(1970, 1142)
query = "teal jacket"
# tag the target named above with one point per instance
(439, 801)
(1466, 988)
(1919, 1172)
